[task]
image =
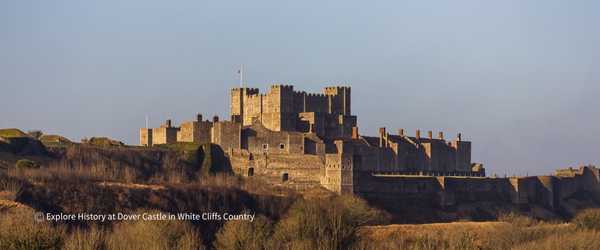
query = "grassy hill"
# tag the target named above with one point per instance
(12, 132)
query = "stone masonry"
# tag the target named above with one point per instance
(305, 140)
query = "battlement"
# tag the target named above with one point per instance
(316, 95)
(283, 87)
(246, 91)
(335, 90)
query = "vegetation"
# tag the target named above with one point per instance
(12, 132)
(588, 219)
(35, 133)
(241, 234)
(54, 140)
(157, 234)
(187, 177)
(26, 164)
(308, 224)
(213, 160)
(103, 142)
(18, 230)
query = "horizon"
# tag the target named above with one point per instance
(519, 82)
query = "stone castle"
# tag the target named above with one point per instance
(304, 140)
(316, 129)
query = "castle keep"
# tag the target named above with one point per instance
(313, 139)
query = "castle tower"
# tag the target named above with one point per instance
(339, 99)
(239, 100)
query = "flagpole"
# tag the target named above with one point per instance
(241, 76)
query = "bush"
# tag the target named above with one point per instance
(19, 230)
(517, 219)
(588, 219)
(93, 238)
(35, 133)
(323, 224)
(27, 164)
(245, 234)
(159, 234)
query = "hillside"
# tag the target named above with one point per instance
(12, 132)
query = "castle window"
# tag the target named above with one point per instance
(284, 177)
(265, 147)
(250, 171)
(281, 146)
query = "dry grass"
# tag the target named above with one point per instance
(19, 230)
(154, 235)
(12, 132)
(586, 239)
(458, 235)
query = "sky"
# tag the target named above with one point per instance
(518, 78)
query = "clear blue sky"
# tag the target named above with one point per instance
(518, 78)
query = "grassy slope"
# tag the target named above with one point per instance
(12, 132)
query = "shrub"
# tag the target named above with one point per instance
(244, 234)
(19, 230)
(27, 164)
(35, 133)
(10, 186)
(588, 219)
(323, 224)
(93, 238)
(517, 219)
(158, 234)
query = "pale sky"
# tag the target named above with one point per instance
(518, 78)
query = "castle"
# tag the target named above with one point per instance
(305, 140)
(308, 138)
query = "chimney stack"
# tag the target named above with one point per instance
(401, 132)
(381, 136)
(216, 118)
(441, 135)
(418, 134)
(430, 134)
(355, 132)
(382, 131)
(459, 137)
(168, 123)
(199, 117)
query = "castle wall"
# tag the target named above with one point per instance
(258, 140)
(463, 155)
(338, 100)
(164, 135)
(146, 137)
(313, 145)
(316, 103)
(253, 109)
(463, 189)
(449, 191)
(227, 135)
(338, 174)
(303, 171)
(195, 131)
(406, 188)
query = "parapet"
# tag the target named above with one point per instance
(283, 87)
(334, 90)
(247, 91)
